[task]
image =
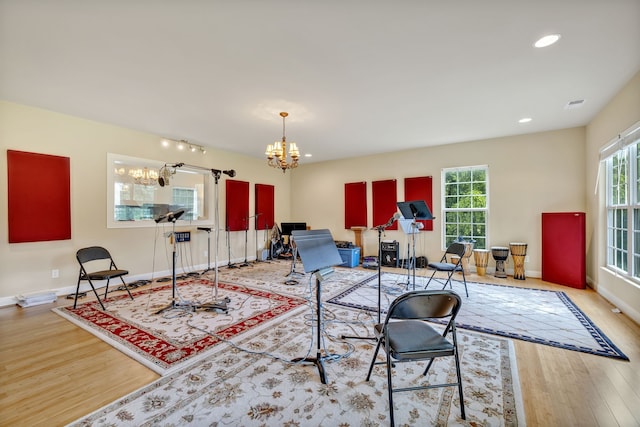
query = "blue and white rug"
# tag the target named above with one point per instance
(540, 316)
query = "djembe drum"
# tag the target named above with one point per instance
(518, 253)
(481, 257)
(468, 250)
(500, 254)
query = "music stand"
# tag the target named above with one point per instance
(319, 254)
(413, 211)
(172, 217)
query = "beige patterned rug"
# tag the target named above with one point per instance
(255, 383)
(250, 378)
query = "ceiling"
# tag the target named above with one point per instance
(356, 77)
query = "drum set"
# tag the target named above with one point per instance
(500, 255)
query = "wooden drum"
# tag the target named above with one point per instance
(481, 257)
(468, 250)
(518, 253)
(500, 254)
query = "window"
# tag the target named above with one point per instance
(465, 195)
(623, 203)
(136, 199)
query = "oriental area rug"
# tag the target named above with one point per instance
(256, 380)
(540, 316)
(165, 340)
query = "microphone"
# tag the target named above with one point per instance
(170, 216)
(165, 175)
(229, 172)
(396, 216)
(413, 208)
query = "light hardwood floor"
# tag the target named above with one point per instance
(52, 372)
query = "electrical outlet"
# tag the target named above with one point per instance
(526, 258)
(206, 253)
(55, 273)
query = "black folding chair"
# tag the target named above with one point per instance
(97, 256)
(406, 336)
(456, 249)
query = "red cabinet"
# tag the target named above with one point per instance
(563, 248)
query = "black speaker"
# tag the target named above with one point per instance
(389, 252)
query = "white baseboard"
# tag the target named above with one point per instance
(631, 312)
(84, 286)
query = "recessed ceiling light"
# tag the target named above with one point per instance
(308, 155)
(547, 40)
(525, 120)
(574, 104)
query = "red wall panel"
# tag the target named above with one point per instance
(564, 248)
(420, 188)
(38, 197)
(385, 199)
(264, 206)
(237, 207)
(355, 204)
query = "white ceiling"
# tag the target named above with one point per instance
(356, 76)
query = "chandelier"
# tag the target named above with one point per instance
(144, 176)
(277, 152)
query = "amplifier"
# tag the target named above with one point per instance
(389, 246)
(389, 252)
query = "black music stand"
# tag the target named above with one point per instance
(319, 254)
(172, 217)
(414, 210)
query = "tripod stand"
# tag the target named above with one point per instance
(246, 234)
(230, 264)
(208, 230)
(294, 257)
(258, 252)
(411, 227)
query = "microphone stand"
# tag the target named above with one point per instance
(217, 304)
(246, 240)
(380, 229)
(255, 225)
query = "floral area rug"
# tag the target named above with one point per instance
(172, 338)
(254, 382)
(284, 277)
(168, 340)
(540, 316)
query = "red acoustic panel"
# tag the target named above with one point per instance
(355, 204)
(237, 199)
(564, 248)
(264, 206)
(38, 197)
(420, 188)
(385, 201)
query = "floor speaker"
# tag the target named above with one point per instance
(389, 252)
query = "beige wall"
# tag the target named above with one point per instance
(621, 113)
(528, 175)
(26, 267)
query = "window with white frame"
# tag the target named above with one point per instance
(622, 159)
(465, 201)
(135, 198)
